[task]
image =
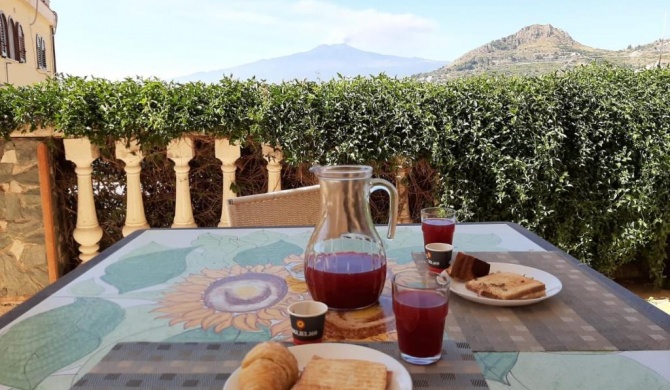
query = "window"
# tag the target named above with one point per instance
(41, 52)
(4, 47)
(12, 39)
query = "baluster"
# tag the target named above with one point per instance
(87, 232)
(402, 168)
(228, 154)
(274, 157)
(181, 152)
(131, 154)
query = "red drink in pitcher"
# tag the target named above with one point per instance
(361, 276)
(438, 230)
(420, 317)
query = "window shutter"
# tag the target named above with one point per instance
(3, 35)
(41, 52)
(38, 51)
(22, 45)
(17, 45)
(10, 38)
(44, 54)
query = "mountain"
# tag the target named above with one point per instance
(321, 63)
(539, 49)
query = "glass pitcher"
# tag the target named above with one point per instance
(345, 260)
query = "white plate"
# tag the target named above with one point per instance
(552, 285)
(304, 353)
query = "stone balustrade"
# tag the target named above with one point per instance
(23, 243)
(130, 153)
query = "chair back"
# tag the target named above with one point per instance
(295, 207)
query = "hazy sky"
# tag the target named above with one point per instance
(167, 38)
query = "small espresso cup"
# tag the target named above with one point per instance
(307, 321)
(438, 255)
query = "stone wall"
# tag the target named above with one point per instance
(23, 263)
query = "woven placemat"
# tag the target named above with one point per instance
(587, 315)
(208, 366)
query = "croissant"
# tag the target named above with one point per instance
(268, 366)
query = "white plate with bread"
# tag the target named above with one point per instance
(321, 365)
(508, 285)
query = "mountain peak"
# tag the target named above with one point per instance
(333, 45)
(542, 45)
(334, 48)
(323, 62)
(337, 50)
(535, 36)
(536, 40)
(538, 32)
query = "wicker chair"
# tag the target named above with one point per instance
(296, 207)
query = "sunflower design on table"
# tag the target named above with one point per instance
(295, 265)
(243, 297)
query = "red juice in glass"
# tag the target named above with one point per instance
(346, 280)
(438, 230)
(420, 317)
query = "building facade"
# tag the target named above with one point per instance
(27, 46)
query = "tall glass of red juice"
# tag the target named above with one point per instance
(438, 225)
(420, 305)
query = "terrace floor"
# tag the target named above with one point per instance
(659, 298)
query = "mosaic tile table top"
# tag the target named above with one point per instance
(163, 285)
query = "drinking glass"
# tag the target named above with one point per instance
(420, 305)
(438, 225)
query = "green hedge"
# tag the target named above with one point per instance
(581, 158)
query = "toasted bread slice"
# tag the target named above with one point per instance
(507, 285)
(342, 374)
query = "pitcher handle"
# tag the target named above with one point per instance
(381, 184)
